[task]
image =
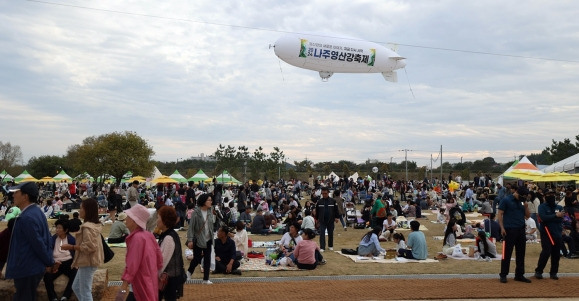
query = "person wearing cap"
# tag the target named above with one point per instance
(30, 252)
(65, 257)
(143, 261)
(133, 193)
(89, 254)
(512, 213)
(200, 236)
(119, 230)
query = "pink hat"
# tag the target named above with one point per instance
(139, 214)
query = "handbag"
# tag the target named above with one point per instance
(163, 279)
(108, 253)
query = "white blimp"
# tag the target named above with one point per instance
(329, 55)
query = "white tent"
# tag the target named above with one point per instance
(336, 178)
(520, 165)
(156, 173)
(354, 177)
(569, 165)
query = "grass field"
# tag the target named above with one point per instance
(340, 265)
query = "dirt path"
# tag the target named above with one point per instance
(380, 289)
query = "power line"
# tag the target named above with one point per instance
(285, 31)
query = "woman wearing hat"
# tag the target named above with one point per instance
(88, 249)
(143, 260)
(200, 236)
(119, 230)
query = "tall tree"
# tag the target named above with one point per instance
(47, 166)
(113, 154)
(10, 155)
(561, 150)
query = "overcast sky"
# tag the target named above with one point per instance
(195, 74)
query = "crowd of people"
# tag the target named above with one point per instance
(218, 219)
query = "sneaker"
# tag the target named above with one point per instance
(345, 228)
(554, 277)
(331, 249)
(538, 275)
(321, 250)
(206, 282)
(323, 262)
(188, 275)
(503, 279)
(488, 259)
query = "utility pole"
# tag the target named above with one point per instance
(406, 160)
(431, 168)
(441, 168)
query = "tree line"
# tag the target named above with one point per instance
(118, 152)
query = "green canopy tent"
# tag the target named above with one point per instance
(62, 176)
(227, 178)
(4, 176)
(199, 176)
(178, 177)
(22, 176)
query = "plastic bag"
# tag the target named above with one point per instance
(457, 251)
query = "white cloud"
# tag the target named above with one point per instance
(187, 86)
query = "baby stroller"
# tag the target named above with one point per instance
(351, 218)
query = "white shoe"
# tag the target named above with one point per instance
(488, 259)
(331, 249)
(206, 282)
(321, 250)
(188, 275)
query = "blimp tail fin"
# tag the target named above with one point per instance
(390, 76)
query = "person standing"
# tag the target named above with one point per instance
(133, 194)
(170, 245)
(327, 214)
(512, 212)
(143, 260)
(29, 253)
(551, 227)
(200, 236)
(88, 249)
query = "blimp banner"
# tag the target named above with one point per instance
(336, 53)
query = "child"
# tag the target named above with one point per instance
(441, 217)
(486, 248)
(399, 240)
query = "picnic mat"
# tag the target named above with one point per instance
(264, 244)
(361, 259)
(118, 245)
(422, 228)
(461, 240)
(499, 257)
(258, 264)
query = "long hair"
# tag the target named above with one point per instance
(399, 236)
(376, 230)
(449, 230)
(91, 211)
(483, 237)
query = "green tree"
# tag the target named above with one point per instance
(560, 150)
(48, 166)
(113, 154)
(10, 155)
